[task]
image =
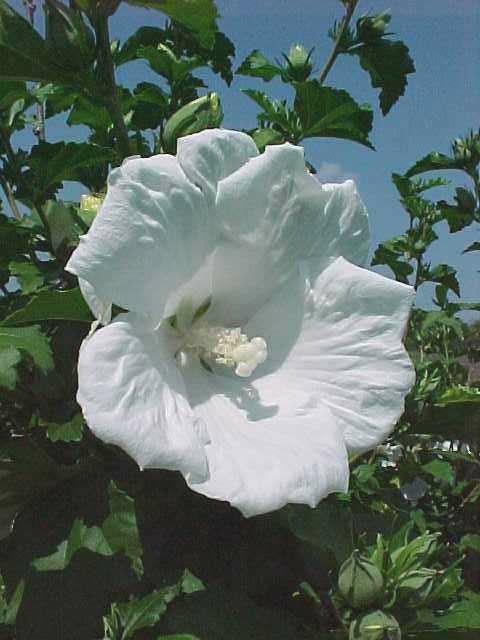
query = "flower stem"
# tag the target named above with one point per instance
(350, 8)
(106, 79)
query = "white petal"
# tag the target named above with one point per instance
(151, 236)
(275, 214)
(342, 228)
(347, 353)
(101, 309)
(212, 155)
(260, 460)
(132, 395)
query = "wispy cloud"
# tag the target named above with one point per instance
(333, 172)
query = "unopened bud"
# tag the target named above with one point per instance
(360, 581)
(375, 626)
(202, 113)
(298, 61)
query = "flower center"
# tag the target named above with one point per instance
(228, 347)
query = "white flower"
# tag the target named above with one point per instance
(254, 355)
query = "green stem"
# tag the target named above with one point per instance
(106, 79)
(350, 8)
(10, 197)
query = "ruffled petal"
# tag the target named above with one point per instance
(347, 353)
(260, 460)
(212, 155)
(101, 309)
(273, 215)
(151, 236)
(132, 395)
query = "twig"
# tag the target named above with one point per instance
(106, 77)
(39, 129)
(350, 8)
(10, 197)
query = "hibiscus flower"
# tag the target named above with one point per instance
(255, 354)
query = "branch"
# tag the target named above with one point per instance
(10, 197)
(106, 78)
(350, 8)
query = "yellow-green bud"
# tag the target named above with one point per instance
(377, 625)
(202, 113)
(298, 61)
(360, 581)
(89, 206)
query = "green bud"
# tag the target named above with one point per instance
(89, 206)
(202, 113)
(360, 581)
(377, 625)
(298, 62)
(369, 27)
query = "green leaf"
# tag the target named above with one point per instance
(459, 395)
(446, 275)
(164, 62)
(68, 37)
(28, 274)
(28, 340)
(265, 136)
(9, 358)
(90, 113)
(199, 16)
(475, 246)
(126, 618)
(332, 113)
(120, 528)
(178, 636)
(80, 537)
(71, 431)
(433, 161)
(275, 111)
(440, 469)
(24, 53)
(258, 66)
(471, 541)
(388, 64)
(435, 319)
(50, 304)
(14, 604)
(151, 106)
(464, 614)
(52, 163)
(62, 224)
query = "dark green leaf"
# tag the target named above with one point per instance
(68, 37)
(388, 64)
(53, 305)
(275, 111)
(440, 469)
(459, 395)
(80, 537)
(164, 62)
(90, 113)
(28, 275)
(120, 527)
(10, 356)
(471, 541)
(445, 275)
(333, 113)
(30, 341)
(71, 431)
(433, 161)
(258, 66)
(461, 615)
(475, 246)
(197, 15)
(14, 604)
(24, 53)
(264, 137)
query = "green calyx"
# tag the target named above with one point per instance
(298, 62)
(377, 625)
(360, 581)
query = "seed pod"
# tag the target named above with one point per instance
(202, 113)
(360, 581)
(377, 625)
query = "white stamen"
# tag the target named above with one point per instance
(229, 347)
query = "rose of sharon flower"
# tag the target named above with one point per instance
(255, 354)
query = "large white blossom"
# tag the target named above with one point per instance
(255, 353)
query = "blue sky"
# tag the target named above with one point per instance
(442, 99)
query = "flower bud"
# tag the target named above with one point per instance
(375, 626)
(298, 61)
(369, 27)
(360, 581)
(202, 113)
(89, 206)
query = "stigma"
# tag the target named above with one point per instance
(226, 346)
